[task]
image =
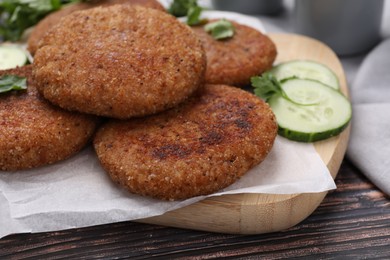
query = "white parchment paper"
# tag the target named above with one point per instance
(78, 193)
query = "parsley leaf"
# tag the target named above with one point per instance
(220, 29)
(12, 82)
(189, 8)
(18, 15)
(266, 85)
(193, 15)
(180, 8)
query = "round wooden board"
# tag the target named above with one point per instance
(262, 213)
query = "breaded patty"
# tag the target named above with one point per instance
(197, 148)
(52, 19)
(48, 22)
(33, 132)
(235, 60)
(120, 61)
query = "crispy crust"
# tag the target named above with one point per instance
(197, 148)
(235, 60)
(33, 132)
(52, 19)
(48, 22)
(120, 61)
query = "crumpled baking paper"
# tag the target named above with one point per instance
(78, 193)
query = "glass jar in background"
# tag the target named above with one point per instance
(347, 26)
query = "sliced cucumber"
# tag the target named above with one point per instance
(11, 57)
(326, 114)
(305, 69)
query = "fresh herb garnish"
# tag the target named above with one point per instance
(220, 29)
(266, 85)
(180, 8)
(189, 8)
(193, 16)
(18, 15)
(12, 82)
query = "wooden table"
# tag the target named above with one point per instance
(353, 221)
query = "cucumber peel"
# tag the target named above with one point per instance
(306, 110)
(328, 118)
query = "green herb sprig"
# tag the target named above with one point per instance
(266, 85)
(220, 29)
(12, 82)
(180, 8)
(18, 15)
(189, 8)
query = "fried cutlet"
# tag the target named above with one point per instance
(120, 61)
(197, 148)
(233, 61)
(52, 19)
(35, 133)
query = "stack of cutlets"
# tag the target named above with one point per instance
(165, 131)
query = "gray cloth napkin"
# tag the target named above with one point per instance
(369, 146)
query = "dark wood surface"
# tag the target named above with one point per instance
(353, 222)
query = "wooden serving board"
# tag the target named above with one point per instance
(262, 213)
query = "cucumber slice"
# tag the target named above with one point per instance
(305, 69)
(11, 57)
(327, 115)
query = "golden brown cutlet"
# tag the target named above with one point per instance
(203, 145)
(52, 19)
(33, 132)
(120, 61)
(233, 61)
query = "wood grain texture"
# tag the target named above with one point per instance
(352, 222)
(261, 213)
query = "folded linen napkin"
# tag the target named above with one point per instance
(369, 147)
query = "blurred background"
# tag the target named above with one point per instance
(283, 16)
